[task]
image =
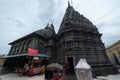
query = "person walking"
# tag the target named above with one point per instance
(58, 76)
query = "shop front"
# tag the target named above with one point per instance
(26, 63)
(37, 65)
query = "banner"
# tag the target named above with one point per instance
(32, 51)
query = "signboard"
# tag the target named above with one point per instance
(36, 58)
(32, 51)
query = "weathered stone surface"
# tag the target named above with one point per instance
(79, 38)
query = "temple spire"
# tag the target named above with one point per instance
(68, 3)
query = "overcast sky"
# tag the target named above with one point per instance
(21, 17)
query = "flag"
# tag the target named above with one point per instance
(32, 51)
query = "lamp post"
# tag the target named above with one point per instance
(83, 70)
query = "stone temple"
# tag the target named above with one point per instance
(77, 38)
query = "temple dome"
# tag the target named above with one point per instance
(47, 32)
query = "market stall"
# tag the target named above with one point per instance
(37, 66)
(27, 63)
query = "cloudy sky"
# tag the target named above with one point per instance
(21, 17)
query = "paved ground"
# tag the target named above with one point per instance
(14, 76)
(109, 77)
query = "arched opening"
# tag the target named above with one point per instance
(115, 59)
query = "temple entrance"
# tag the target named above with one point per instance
(70, 65)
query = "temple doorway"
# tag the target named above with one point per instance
(70, 63)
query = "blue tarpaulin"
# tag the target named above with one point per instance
(25, 54)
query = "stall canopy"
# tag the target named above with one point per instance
(26, 54)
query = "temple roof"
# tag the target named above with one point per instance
(73, 17)
(46, 33)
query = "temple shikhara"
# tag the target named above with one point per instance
(77, 38)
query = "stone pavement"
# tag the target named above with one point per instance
(109, 77)
(14, 76)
